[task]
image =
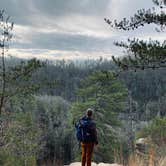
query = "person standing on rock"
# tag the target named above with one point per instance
(87, 136)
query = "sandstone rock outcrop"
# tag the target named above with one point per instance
(94, 164)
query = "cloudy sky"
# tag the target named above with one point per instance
(71, 29)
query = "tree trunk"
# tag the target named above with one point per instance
(3, 78)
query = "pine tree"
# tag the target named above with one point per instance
(142, 54)
(102, 92)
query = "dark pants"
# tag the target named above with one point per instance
(87, 150)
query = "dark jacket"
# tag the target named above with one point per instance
(93, 130)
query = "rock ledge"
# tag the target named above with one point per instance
(94, 164)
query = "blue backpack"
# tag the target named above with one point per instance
(84, 131)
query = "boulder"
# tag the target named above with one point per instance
(142, 145)
(107, 164)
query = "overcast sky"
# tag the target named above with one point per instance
(70, 29)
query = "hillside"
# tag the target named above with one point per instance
(126, 106)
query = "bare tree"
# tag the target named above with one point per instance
(6, 34)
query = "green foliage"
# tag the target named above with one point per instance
(21, 140)
(102, 92)
(54, 119)
(142, 17)
(145, 86)
(160, 3)
(106, 95)
(141, 54)
(19, 78)
(156, 131)
(18, 81)
(67, 75)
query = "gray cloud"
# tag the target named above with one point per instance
(68, 42)
(72, 6)
(71, 25)
(23, 11)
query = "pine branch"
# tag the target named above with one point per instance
(142, 17)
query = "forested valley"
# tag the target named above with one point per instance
(42, 106)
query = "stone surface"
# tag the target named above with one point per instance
(94, 164)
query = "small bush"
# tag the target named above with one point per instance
(156, 131)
